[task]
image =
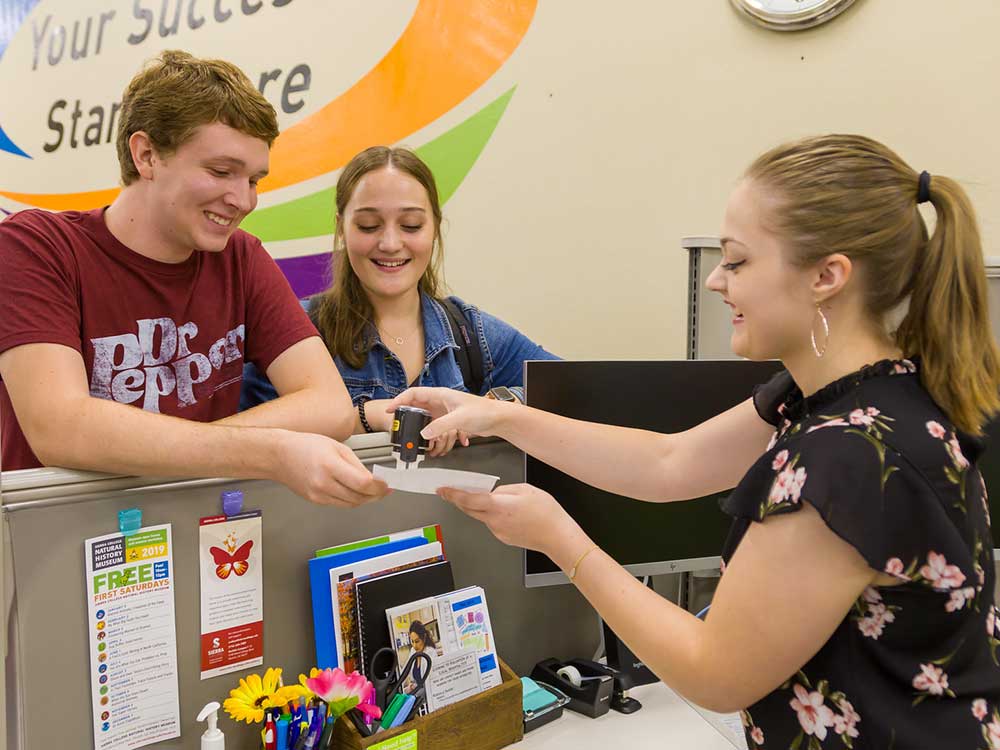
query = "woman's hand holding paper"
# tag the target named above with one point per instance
(521, 515)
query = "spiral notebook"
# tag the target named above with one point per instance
(379, 594)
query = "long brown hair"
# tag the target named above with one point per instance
(852, 195)
(176, 93)
(345, 313)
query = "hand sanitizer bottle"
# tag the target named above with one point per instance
(213, 738)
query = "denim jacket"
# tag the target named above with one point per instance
(504, 350)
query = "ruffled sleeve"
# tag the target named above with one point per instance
(768, 397)
(867, 494)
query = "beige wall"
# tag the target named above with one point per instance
(632, 120)
(630, 123)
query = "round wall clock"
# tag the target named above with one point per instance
(790, 15)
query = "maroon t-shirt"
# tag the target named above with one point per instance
(167, 338)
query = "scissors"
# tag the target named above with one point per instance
(382, 670)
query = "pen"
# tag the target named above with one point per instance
(327, 737)
(297, 713)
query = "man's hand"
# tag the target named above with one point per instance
(326, 472)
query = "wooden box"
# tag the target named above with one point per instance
(487, 721)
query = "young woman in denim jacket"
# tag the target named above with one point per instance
(382, 319)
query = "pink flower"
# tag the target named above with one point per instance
(979, 709)
(779, 460)
(931, 679)
(787, 485)
(343, 692)
(814, 716)
(859, 417)
(757, 735)
(871, 411)
(894, 567)
(848, 722)
(779, 490)
(936, 430)
(796, 481)
(991, 621)
(873, 625)
(959, 598)
(957, 456)
(871, 595)
(993, 732)
(940, 573)
(838, 422)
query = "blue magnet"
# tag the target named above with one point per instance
(129, 521)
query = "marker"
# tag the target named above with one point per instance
(390, 713)
(281, 736)
(270, 730)
(403, 713)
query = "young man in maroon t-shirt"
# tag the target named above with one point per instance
(156, 302)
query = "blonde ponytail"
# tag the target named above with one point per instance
(852, 195)
(947, 323)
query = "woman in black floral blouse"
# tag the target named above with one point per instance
(856, 607)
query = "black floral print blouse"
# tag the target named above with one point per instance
(913, 665)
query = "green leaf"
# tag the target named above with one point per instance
(796, 742)
(450, 157)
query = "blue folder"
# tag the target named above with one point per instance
(322, 598)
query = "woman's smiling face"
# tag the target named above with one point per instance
(770, 297)
(388, 228)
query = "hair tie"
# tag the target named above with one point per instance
(924, 187)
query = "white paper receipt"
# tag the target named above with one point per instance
(427, 481)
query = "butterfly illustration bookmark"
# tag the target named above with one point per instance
(232, 612)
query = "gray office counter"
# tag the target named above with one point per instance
(47, 514)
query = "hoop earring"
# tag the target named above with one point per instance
(826, 332)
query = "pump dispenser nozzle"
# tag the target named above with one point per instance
(213, 738)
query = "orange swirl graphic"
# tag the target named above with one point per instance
(448, 50)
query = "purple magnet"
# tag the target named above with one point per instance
(232, 502)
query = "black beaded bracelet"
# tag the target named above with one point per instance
(362, 417)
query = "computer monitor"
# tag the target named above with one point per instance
(664, 396)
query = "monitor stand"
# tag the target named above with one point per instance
(619, 657)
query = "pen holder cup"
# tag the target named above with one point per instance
(487, 721)
(591, 698)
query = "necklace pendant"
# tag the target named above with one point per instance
(399, 341)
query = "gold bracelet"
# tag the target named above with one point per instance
(575, 569)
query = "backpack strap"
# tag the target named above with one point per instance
(313, 309)
(469, 355)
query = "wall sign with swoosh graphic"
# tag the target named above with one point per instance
(81, 53)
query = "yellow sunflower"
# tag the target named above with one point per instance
(303, 688)
(249, 701)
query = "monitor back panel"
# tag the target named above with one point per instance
(663, 396)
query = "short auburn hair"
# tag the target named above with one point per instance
(176, 93)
